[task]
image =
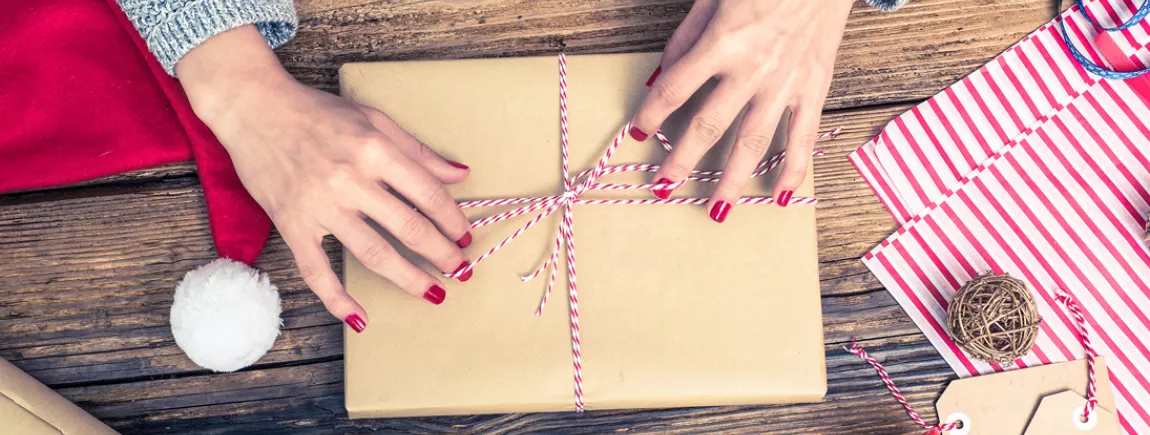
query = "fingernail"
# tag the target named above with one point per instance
(719, 211)
(654, 76)
(464, 241)
(458, 165)
(355, 322)
(638, 134)
(466, 275)
(785, 198)
(663, 193)
(435, 295)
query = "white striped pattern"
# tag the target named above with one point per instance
(573, 189)
(1033, 167)
(1061, 208)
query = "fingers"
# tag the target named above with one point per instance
(754, 139)
(705, 128)
(446, 171)
(413, 230)
(800, 143)
(316, 272)
(425, 191)
(672, 88)
(686, 35)
(380, 257)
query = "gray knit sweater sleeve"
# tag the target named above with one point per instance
(172, 28)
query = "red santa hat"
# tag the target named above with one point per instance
(82, 98)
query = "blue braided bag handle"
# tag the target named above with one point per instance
(1097, 70)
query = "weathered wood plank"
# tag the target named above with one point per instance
(308, 399)
(885, 57)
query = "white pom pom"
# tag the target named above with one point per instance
(225, 315)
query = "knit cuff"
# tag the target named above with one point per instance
(886, 5)
(179, 31)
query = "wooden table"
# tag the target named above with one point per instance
(87, 272)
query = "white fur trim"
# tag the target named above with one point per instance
(225, 315)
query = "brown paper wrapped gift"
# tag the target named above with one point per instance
(27, 407)
(675, 310)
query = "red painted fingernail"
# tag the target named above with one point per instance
(785, 198)
(355, 322)
(663, 193)
(464, 241)
(458, 165)
(466, 275)
(654, 76)
(435, 295)
(719, 211)
(638, 134)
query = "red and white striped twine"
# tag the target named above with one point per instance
(1064, 298)
(573, 189)
(858, 350)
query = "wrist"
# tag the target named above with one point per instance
(227, 68)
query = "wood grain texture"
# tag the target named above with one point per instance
(884, 58)
(87, 276)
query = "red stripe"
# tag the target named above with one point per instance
(1052, 66)
(893, 203)
(1029, 276)
(1066, 54)
(938, 265)
(970, 163)
(922, 278)
(1086, 249)
(937, 145)
(1018, 263)
(1035, 76)
(990, 118)
(954, 252)
(1131, 7)
(922, 159)
(1105, 148)
(1084, 44)
(970, 126)
(1073, 265)
(1141, 126)
(1116, 19)
(1004, 104)
(902, 166)
(902, 285)
(1057, 121)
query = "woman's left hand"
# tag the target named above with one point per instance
(769, 55)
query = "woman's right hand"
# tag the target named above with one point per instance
(320, 165)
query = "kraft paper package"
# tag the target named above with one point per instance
(28, 407)
(675, 309)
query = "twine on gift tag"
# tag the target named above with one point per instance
(1064, 298)
(1071, 304)
(573, 190)
(894, 391)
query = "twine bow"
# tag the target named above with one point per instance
(573, 190)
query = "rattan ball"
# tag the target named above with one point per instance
(994, 318)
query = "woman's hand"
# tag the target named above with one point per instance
(320, 165)
(769, 55)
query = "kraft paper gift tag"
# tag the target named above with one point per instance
(1030, 401)
(675, 310)
(1058, 414)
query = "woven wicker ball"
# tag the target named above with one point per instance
(994, 318)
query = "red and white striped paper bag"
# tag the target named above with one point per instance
(921, 155)
(1033, 167)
